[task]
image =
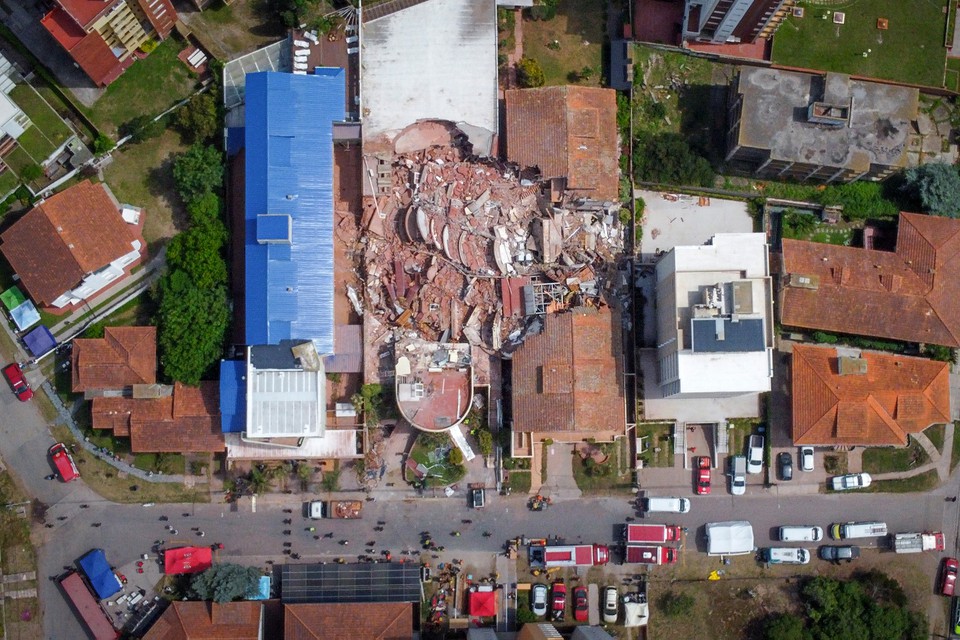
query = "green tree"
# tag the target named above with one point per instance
(485, 442)
(192, 326)
(676, 604)
(525, 615)
(798, 224)
(785, 626)
(530, 73)
(197, 251)
(455, 457)
(197, 172)
(207, 209)
(667, 159)
(936, 186)
(226, 583)
(102, 144)
(198, 119)
(543, 10)
(142, 128)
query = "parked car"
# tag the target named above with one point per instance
(806, 458)
(850, 481)
(948, 576)
(63, 462)
(836, 553)
(538, 599)
(785, 465)
(559, 601)
(580, 605)
(611, 605)
(14, 375)
(478, 498)
(703, 475)
(738, 475)
(755, 454)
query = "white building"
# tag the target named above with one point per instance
(714, 318)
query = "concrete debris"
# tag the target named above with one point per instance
(460, 248)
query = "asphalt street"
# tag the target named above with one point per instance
(254, 538)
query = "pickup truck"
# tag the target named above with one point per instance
(335, 509)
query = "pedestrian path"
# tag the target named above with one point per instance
(938, 461)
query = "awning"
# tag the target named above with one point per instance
(101, 577)
(12, 298)
(40, 341)
(187, 560)
(483, 604)
(25, 315)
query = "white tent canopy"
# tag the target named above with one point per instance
(729, 538)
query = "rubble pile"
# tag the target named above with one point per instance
(454, 234)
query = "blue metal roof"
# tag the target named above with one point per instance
(101, 577)
(289, 167)
(233, 395)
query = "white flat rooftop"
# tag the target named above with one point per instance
(285, 403)
(745, 252)
(434, 60)
(335, 443)
(741, 372)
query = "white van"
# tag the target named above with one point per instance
(785, 555)
(800, 533)
(667, 505)
(848, 530)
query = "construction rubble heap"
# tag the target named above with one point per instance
(463, 249)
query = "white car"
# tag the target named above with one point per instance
(538, 599)
(850, 481)
(755, 454)
(806, 458)
(738, 475)
(611, 605)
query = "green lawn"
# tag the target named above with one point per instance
(911, 50)
(575, 39)
(936, 435)
(148, 87)
(41, 114)
(519, 481)
(37, 145)
(609, 477)
(887, 459)
(657, 435)
(8, 182)
(955, 447)
(915, 484)
(439, 473)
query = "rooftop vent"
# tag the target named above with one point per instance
(849, 365)
(834, 115)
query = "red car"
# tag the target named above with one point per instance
(703, 475)
(63, 461)
(14, 375)
(580, 606)
(948, 578)
(559, 601)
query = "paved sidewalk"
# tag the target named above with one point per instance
(938, 461)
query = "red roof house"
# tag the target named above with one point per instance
(911, 294)
(379, 620)
(567, 132)
(865, 399)
(193, 620)
(123, 357)
(70, 243)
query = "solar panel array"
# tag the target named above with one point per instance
(366, 582)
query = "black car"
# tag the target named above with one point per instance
(838, 553)
(785, 464)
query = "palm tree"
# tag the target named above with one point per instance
(797, 224)
(259, 481)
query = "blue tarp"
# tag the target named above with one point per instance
(289, 170)
(99, 574)
(233, 395)
(40, 341)
(25, 315)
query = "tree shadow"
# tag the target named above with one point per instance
(703, 111)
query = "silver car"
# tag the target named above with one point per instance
(738, 475)
(806, 458)
(538, 599)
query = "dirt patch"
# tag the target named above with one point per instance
(18, 559)
(228, 31)
(142, 175)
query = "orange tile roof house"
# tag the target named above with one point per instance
(374, 620)
(72, 245)
(209, 621)
(567, 132)
(865, 398)
(568, 377)
(104, 37)
(912, 294)
(123, 357)
(184, 419)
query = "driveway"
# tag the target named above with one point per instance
(560, 484)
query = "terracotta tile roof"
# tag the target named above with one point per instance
(208, 621)
(370, 621)
(897, 396)
(125, 356)
(67, 236)
(89, 50)
(161, 14)
(566, 131)
(568, 377)
(912, 294)
(186, 421)
(85, 12)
